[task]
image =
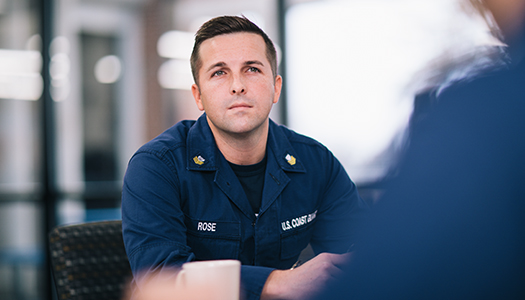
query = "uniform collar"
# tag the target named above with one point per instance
(203, 154)
(281, 147)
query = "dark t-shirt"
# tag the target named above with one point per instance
(252, 181)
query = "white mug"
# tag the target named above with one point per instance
(210, 279)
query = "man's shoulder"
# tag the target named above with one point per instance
(295, 138)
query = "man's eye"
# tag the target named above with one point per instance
(218, 73)
(253, 69)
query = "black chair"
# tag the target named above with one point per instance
(89, 261)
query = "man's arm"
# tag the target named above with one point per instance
(306, 280)
(152, 221)
(340, 213)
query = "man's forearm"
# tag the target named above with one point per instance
(302, 282)
(273, 288)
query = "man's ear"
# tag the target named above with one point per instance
(278, 84)
(197, 96)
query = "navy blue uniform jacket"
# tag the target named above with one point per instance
(181, 201)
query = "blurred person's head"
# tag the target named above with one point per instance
(497, 23)
(506, 21)
(505, 18)
(508, 14)
(226, 25)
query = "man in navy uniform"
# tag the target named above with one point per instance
(235, 185)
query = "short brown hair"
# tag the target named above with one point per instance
(225, 25)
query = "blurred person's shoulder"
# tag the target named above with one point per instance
(503, 83)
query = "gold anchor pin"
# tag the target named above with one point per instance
(198, 160)
(290, 159)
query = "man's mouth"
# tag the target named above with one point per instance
(240, 105)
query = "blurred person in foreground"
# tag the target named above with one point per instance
(451, 224)
(235, 185)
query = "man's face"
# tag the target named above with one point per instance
(236, 86)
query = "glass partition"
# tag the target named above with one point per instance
(21, 255)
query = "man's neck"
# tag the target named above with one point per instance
(242, 149)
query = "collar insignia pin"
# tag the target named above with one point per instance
(290, 159)
(199, 160)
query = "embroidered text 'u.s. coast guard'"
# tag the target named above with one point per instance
(298, 222)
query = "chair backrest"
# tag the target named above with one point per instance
(89, 261)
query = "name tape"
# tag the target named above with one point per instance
(206, 226)
(299, 221)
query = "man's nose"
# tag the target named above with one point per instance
(237, 86)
